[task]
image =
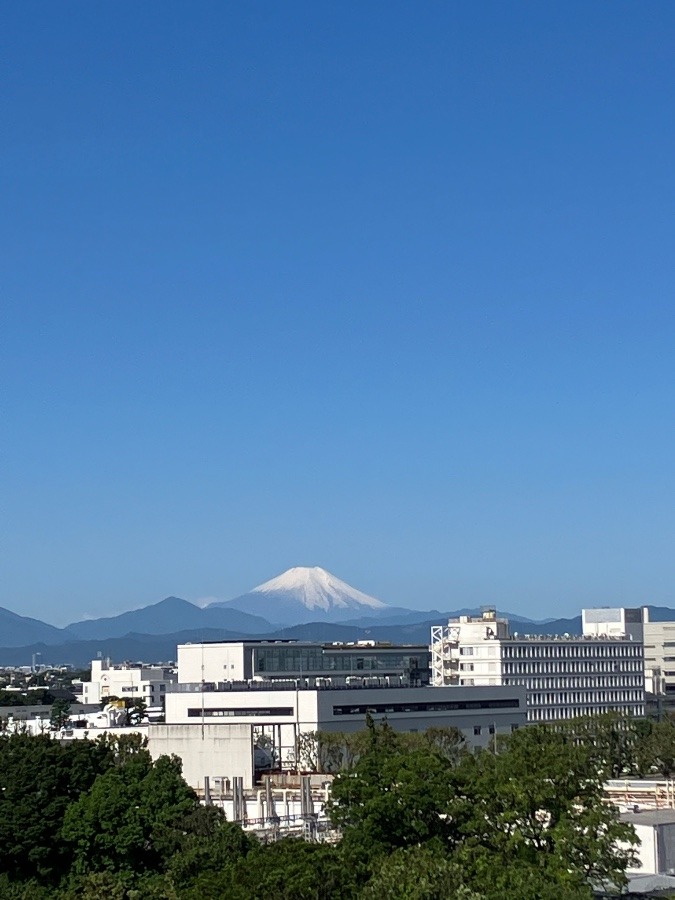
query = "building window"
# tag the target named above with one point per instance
(441, 706)
(209, 712)
(477, 730)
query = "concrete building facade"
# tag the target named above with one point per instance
(564, 676)
(659, 638)
(222, 661)
(243, 729)
(128, 681)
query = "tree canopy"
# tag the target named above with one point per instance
(420, 818)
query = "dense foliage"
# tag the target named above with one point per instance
(421, 818)
(35, 697)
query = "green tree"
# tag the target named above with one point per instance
(209, 849)
(656, 749)
(393, 797)
(59, 715)
(136, 711)
(128, 820)
(422, 872)
(290, 869)
(539, 805)
(446, 742)
(39, 779)
(123, 746)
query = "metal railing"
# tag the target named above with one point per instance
(296, 684)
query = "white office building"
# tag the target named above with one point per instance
(214, 662)
(564, 676)
(243, 729)
(127, 681)
(659, 638)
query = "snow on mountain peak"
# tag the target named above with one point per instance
(317, 589)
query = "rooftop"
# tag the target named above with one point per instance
(324, 684)
(332, 645)
(650, 817)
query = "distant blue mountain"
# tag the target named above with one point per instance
(301, 603)
(166, 617)
(16, 631)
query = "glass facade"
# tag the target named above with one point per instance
(441, 706)
(319, 660)
(210, 711)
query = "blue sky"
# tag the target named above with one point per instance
(382, 287)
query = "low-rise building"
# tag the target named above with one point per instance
(243, 729)
(128, 681)
(564, 676)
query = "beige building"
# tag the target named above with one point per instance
(659, 638)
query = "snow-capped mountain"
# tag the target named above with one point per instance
(305, 594)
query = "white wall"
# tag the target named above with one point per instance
(657, 655)
(209, 750)
(132, 682)
(646, 849)
(210, 662)
(310, 710)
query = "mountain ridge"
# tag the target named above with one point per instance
(173, 614)
(162, 647)
(303, 594)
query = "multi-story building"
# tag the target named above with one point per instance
(224, 661)
(659, 638)
(239, 708)
(242, 729)
(127, 681)
(659, 645)
(564, 676)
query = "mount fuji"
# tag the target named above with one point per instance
(302, 595)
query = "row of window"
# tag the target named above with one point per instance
(573, 668)
(566, 697)
(571, 650)
(216, 712)
(548, 714)
(478, 729)
(440, 706)
(316, 659)
(600, 681)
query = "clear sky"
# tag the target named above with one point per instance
(383, 287)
